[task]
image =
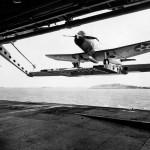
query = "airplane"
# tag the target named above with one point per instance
(91, 54)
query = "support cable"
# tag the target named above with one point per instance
(23, 55)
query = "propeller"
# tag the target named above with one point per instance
(69, 35)
(86, 37)
(91, 37)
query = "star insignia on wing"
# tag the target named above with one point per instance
(141, 47)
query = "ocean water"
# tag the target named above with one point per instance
(121, 98)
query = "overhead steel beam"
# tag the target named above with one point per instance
(5, 54)
(51, 17)
(79, 22)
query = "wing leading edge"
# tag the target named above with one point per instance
(69, 57)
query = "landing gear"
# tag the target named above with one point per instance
(112, 66)
(106, 60)
(76, 64)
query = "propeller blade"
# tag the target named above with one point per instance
(68, 35)
(91, 37)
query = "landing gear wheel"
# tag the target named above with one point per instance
(76, 64)
(106, 62)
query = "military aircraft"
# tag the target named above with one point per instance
(95, 55)
(112, 59)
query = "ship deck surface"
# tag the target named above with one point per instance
(42, 126)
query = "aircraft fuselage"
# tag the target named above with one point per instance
(84, 43)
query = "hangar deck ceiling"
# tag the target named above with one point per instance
(25, 18)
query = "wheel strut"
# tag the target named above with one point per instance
(76, 64)
(106, 60)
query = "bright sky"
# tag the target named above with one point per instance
(114, 32)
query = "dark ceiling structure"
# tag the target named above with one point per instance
(26, 18)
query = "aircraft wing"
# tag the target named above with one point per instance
(125, 51)
(115, 53)
(69, 57)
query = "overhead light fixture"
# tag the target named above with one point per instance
(17, 1)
